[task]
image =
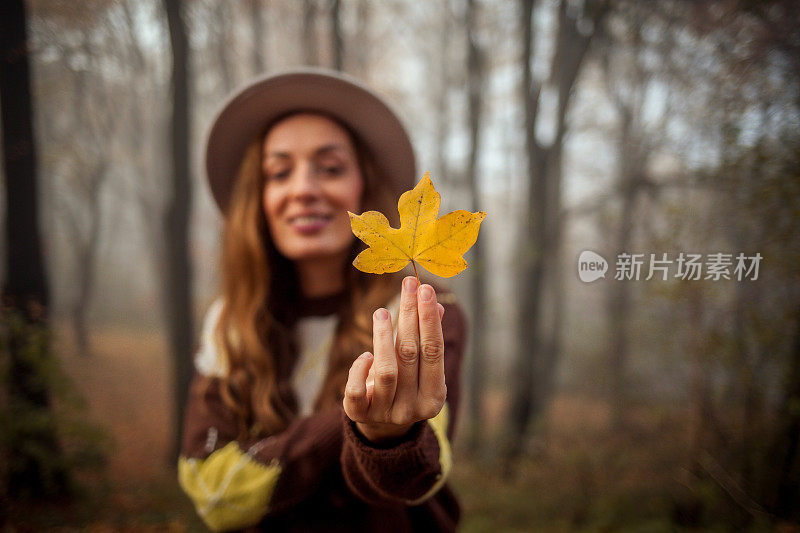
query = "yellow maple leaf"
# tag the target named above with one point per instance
(437, 244)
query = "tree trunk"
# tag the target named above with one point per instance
(86, 262)
(178, 275)
(746, 377)
(34, 468)
(572, 46)
(530, 257)
(87, 242)
(477, 360)
(257, 21)
(441, 70)
(631, 155)
(553, 289)
(148, 189)
(702, 424)
(783, 455)
(222, 23)
(337, 40)
(536, 358)
(309, 34)
(619, 292)
(477, 371)
(360, 48)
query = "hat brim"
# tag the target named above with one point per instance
(250, 109)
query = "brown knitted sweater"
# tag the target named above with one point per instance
(320, 474)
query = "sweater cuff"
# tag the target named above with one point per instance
(411, 442)
(401, 473)
(412, 435)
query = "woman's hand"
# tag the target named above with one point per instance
(403, 382)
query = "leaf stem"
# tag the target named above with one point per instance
(415, 271)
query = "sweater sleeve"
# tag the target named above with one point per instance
(412, 470)
(234, 483)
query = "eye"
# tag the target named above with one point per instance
(332, 170)
(279, 175)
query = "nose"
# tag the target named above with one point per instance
(304, 182)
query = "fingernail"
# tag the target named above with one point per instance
(366, 355)
(426, 293)
(382, 314)
(410, 284)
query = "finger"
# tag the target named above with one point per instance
(441, 311)
(432, 389)
(370, 382)
(385, 366)
(407, 348)
(356, 402)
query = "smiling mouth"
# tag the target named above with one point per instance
(309, 219)
(309, 224)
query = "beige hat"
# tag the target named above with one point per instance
(252, 108)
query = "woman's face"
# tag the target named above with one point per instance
(312, 180)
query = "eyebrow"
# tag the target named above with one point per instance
(322, 150)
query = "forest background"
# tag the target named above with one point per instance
(662, 128)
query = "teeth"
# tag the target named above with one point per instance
(309, 219)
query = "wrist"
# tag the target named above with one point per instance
(383, 433)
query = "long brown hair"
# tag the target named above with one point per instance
(259, 285)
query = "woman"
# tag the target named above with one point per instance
(306, 413)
